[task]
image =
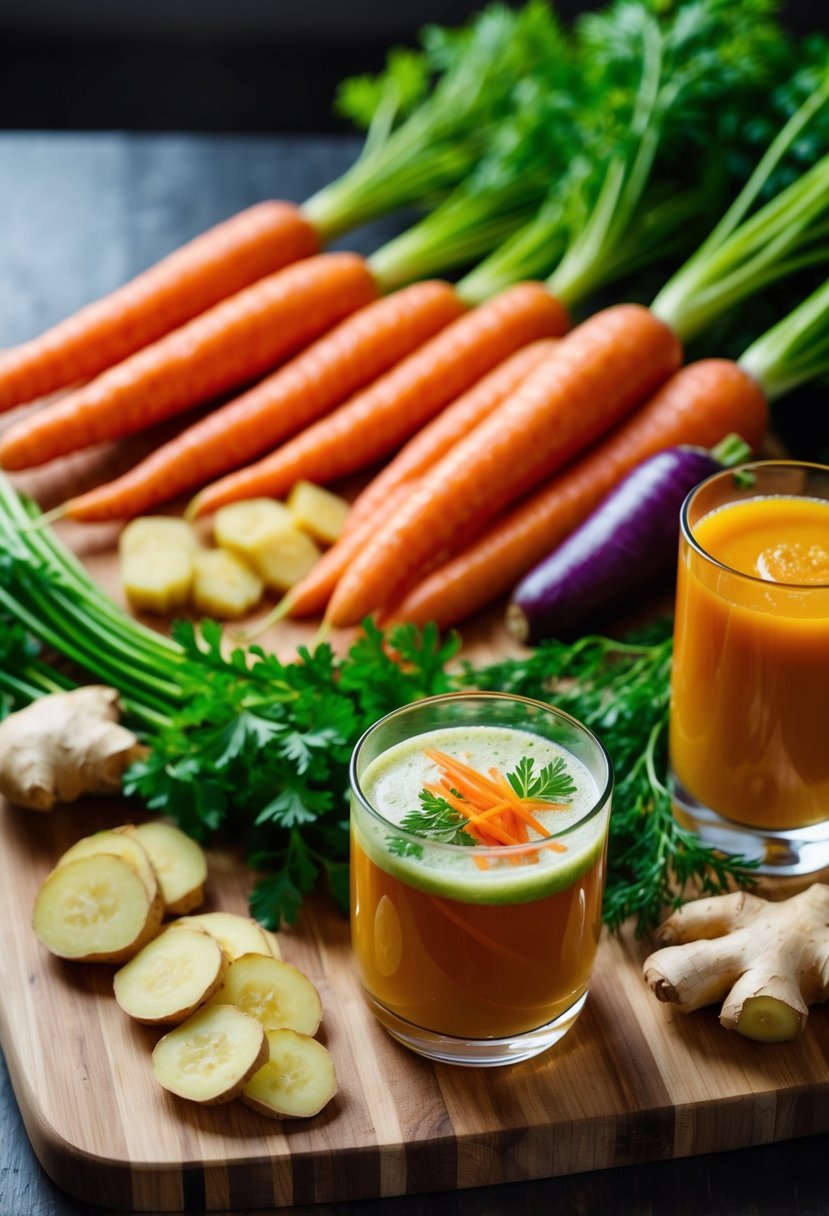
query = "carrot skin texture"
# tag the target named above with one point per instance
(450, 426)
(385, 491)
(358, 349)
(214, 265)
(376, 421)
(233, 342)
(700, 404)
(599, 372)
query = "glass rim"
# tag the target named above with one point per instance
(688, 535)
(489, 851)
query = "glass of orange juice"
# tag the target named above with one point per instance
(750, 685)
(478, 845)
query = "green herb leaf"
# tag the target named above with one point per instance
(554, 782)
(438, 820)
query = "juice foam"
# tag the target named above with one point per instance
(391, 785)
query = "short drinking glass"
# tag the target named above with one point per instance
(750, 687)
(476, 955)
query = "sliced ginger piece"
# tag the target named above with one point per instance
(171, 977)
(156, 555)
(263, 531)
(766, 961)
(297, 1081)
(158, 583)
(211, 1056)
(178, 860)
(225, 585)
(274, 992)
(318, 512)
(237, 935)
(148, 533)
(121, 843)
(95, 909)
(65, 745)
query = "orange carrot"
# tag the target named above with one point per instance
(214, 265)
(351, 355)
(451, 425)
(699, 405)
(599, 372)
(386, 490)
(377, 420)
(232, 342)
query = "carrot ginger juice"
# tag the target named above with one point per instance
(750, 688)
(476, 944)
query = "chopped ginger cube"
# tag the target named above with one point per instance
(155, 532)
(224, 584)
(317, 511)
(157, 580)
(156, 562)
(264, 532)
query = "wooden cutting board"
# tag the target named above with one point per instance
(632, 1082)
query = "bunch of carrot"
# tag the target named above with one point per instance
(217, 312)
(324, 310)
(507, 428)
(452, 523)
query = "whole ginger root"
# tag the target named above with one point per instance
(65, 745)
(767, 961)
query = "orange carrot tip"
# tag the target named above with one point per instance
(44, 519)
(252, 632)
(321, 636)
(191, 511)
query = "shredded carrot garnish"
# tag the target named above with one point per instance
(495, 812)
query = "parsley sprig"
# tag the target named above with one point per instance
(554, 783)
(435, 819)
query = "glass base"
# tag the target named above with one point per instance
(475, 1053)
(779, 852)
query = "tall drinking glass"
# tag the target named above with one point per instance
(749, 737)
(476, 954)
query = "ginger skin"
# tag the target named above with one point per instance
(63, 746)
(767, 961)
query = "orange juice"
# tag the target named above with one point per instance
(467, 969)
(750, 688)
(474, 943)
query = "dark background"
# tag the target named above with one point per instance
(213, 65)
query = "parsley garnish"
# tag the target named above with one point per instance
(437, 820)
(553, 783)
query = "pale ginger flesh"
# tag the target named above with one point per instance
(63, 746)
(766, 961)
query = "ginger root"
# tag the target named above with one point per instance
(65, 745)
(767, 961)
